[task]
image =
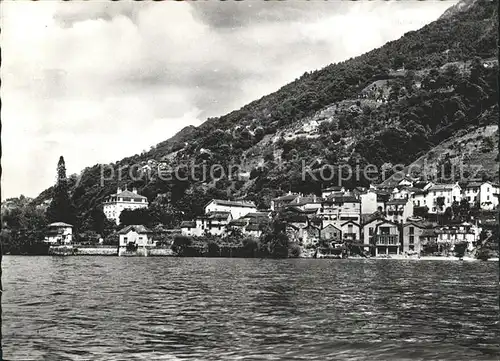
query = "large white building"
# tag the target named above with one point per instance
(237, 209)
(116, 203)
(447, 193)
(59, 233)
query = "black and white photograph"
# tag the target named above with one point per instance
(249, 180)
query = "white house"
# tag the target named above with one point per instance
(484, 193)
(59, 233)
(237, 209)
(188, 228)
(446, 193)
(135, 236)
(116, 203)
(453, 234)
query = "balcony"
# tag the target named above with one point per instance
(386, 240)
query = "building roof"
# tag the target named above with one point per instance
(233, 203)
(474, 184)
(301, 201)
(381, 220)
(139, 228)
(330, 226)
(367, 218)
(344, 199)
(288, 197)
(443, 187)
(59, 224)
(350, 221)
(188, 224)
(294, 208)
(333, 189)
(418, 224)
(420, 184)
(128, 194)
(256, 215)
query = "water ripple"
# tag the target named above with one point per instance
(106, 308)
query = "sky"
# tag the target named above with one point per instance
(99, 81)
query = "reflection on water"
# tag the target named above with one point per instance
(110, 308)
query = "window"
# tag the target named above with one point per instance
(384, 230)
(370, 231)
(412, 230)
(412, 239)
(125, 239)
(412, 248)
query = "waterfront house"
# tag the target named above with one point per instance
(383, 236)
(135, 236)
(441, 196)
(309, 235)
(428, 237)
(351, 231)
(59, 233)
(448, 236)
(412, 237)
(331, 233)
(116, 203)
(213, 222)
(398, 210)
(237, 209)
(188, 228)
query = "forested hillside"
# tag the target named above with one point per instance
(413, 94)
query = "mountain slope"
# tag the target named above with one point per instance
(361, 111)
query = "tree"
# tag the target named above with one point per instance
(464, 209)
(274, 240)
(181, 244)
(135, 216)
(61, 209)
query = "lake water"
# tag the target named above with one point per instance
(111, 308)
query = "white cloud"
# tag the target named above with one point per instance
(99, 81)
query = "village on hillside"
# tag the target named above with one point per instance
(412, 218)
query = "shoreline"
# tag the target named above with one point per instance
(393, 257)
(435, 258)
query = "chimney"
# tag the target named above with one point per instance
(134, 190)
(118, 190)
